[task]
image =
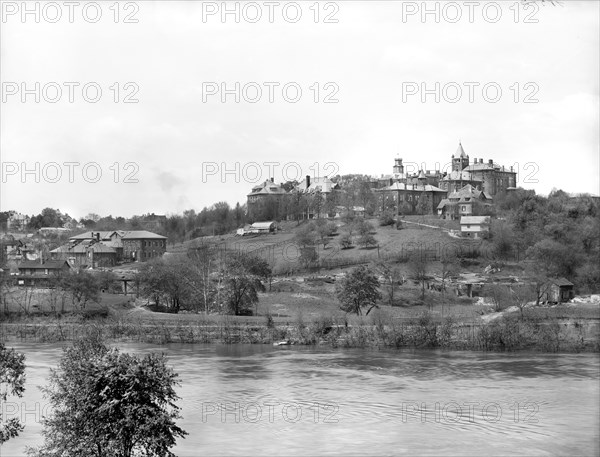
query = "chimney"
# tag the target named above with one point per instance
(511, 168)
(98, 236)
(475, 160)
(272, 179)
(307, 181)
(480, 160)
(490, 162)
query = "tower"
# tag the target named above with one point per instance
(398, 167)
(460, 160)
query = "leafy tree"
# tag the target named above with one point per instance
(503, 239)
(12, 382)
(306, 236)
(346, 241)
(167, 280)
(359, 289)
(553, 258)
(83, 286)
(364, 228)
(367, 240)
(108, 403)
(243, 280)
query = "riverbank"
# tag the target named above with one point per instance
(504, 334)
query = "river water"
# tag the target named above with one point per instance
(264, 400)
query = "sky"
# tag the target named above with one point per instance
(162, 106)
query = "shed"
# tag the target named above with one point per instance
(262, 227)
(559, 290)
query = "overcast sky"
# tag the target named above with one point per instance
(180, 146)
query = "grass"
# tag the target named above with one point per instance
(283, 254)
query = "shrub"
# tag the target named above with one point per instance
(385, 220)
(346, 241)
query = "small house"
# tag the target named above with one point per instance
(474, 226)
(558, 290)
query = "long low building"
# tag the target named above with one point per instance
(107, 248)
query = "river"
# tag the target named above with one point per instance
(265, 400)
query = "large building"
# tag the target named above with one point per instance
(452, 194)
(487, 176)
(106, 248)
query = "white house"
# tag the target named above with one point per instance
(474, 226)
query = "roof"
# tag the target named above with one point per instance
(417, 187)
(104, 235)
(142, 235)
(464, 175)
(474, 220)
(268, 188)
(102, 249)
(262, 225)
(320, 184)
(66, 249)
(560, 282)
(48, 264)
(468, 192)
(443, 203)
(460, 151)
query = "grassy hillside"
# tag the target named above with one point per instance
(282, 252)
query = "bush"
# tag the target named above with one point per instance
(367, 240)
(346, 241)
(385, 220)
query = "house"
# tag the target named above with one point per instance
(86, 254)
(267, 194)
(474, 226)
(319, 190)
(558, 290)
(17, 221)
(106, 248)
(405, 198)
(35, 273)
(356, 211)
(44, 231)
(141, 245)
(468, 201)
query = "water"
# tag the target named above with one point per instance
(264, 400)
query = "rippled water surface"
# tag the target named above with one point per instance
(264, 400)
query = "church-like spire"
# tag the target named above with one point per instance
(460, 152)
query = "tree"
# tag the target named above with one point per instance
(243, 279)
(449, 263)
(83, 286)
(12, 382)
(367, 240)
(391, 276)
(110, 403)
(521, 296)
(359, 289)
(168, 280)
(346, 241)
(424, 206)
(419, 266)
